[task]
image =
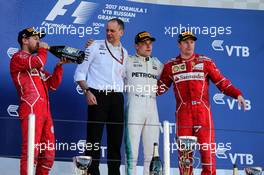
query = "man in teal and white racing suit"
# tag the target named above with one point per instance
(142, 71)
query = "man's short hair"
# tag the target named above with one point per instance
(119, 22)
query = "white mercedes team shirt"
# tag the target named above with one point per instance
(103, 67)
(142, 74)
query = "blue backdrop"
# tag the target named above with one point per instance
(232, 38)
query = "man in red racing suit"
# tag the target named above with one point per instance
(190, 74)
(32, 83)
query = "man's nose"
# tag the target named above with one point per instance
(148, 46)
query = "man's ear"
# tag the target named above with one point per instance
(136, 46)
(121, 32)
(24, 41)
(178, 44)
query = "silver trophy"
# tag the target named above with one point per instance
(253, 171)
(81, 164)
(186, 145)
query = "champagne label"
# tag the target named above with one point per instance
(70, 50)
(155, 173)
(70, 53)
(69, 56)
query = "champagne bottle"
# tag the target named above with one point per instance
(235, 169)
(72, 54)
(155, 167)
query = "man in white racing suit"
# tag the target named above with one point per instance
(142, 71)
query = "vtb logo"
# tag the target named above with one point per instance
(219, 99)
(11, 51)
(12, 110)
(79, 90)
(81, 13)
(238, 51)
(241, 158)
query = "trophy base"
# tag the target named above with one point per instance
(81, 164)
(253, 171)
(80, 172)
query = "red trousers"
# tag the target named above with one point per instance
(44, 145)
(195, 119)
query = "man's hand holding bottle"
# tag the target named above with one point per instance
(63, 61)
(43, 45)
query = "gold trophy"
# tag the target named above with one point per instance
(186, 145)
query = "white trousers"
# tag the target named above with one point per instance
(142, 120)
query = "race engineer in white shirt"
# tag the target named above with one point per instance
(101, 78)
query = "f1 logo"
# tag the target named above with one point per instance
(58, 9)
(81, 13)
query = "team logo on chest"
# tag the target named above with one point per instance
(178, 68)
(199, 66)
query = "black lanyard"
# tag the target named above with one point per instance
(118, 60)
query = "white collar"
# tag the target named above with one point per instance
(142, 57)
(119, 46)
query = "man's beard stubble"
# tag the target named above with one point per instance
(34, 50)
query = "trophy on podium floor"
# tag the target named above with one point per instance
(186, 145)
(253, 171)
(81, 164)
